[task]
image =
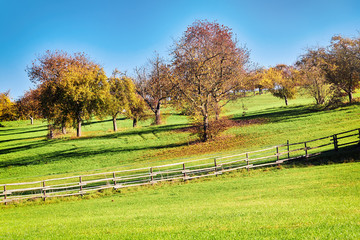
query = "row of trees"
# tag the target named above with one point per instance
(207, 70)
(327, 73)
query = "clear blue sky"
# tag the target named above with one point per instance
(124, 34)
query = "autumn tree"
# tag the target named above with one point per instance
(312, 75)
(29, 105)
(153, 84)
(72, 87)
(341, 63)
(254, 79)
(209, 67)
(282, 81)
(7, 107)
(122, 95)
(137, 110)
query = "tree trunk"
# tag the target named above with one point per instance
(32, 120)
(286, 101)
(78, 129)
(217, 111)
(63, 129)
(206, 128)
(317, 101)
(260, 91)
(350, 97)
(157, 114)
(135, 122)
(51, 131)
(114, 123)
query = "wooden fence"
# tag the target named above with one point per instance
(80, 185)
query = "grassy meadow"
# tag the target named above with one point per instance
(26, 154)
(297, 201)
(315, 202)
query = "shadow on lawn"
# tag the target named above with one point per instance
(85, 152)
(23, 130)
(74, 153)
(343, 155)
(279, 114)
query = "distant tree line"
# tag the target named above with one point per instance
(207, 70)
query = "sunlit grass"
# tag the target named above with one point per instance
(25, 154)
(319, 202)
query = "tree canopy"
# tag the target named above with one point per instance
(209, 66)
(72, 87)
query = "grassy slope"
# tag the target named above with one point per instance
(319, 202)
(25, 154)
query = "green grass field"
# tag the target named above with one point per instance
(25, 154)
(319, 202)
(299, 201)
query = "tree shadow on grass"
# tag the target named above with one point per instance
(24, 130)
(279, 114)
(37, 144)
(343, 155)
(75, 153)
(136, 131)
(18, 139)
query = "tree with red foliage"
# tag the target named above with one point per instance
(209, 67)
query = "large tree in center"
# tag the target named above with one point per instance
(72, 87)
(209, 67)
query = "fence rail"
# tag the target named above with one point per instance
(80, 185)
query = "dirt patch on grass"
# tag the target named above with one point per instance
(227, 123)
(223, 142)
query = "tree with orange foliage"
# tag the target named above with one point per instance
(72, 87)
(29, 105)
(209, 67)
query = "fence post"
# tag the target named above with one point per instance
(80, 183)
(5, 194)
(151, 174)
(306, 151)
(114, 178)
(215, 166)
(184, 171)
(288, 149)
(335, 142)
(277, 155)
(247, 161)
(44, 191)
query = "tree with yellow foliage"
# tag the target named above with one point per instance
(122, 95)
(7, 107)
(281, 81)
(72, 87)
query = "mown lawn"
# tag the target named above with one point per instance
(25, 154)
(316, 202)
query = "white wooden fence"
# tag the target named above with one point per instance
(80, 185)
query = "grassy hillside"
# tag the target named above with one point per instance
(320, 202)
(25, 153)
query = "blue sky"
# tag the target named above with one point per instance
(124, 34)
